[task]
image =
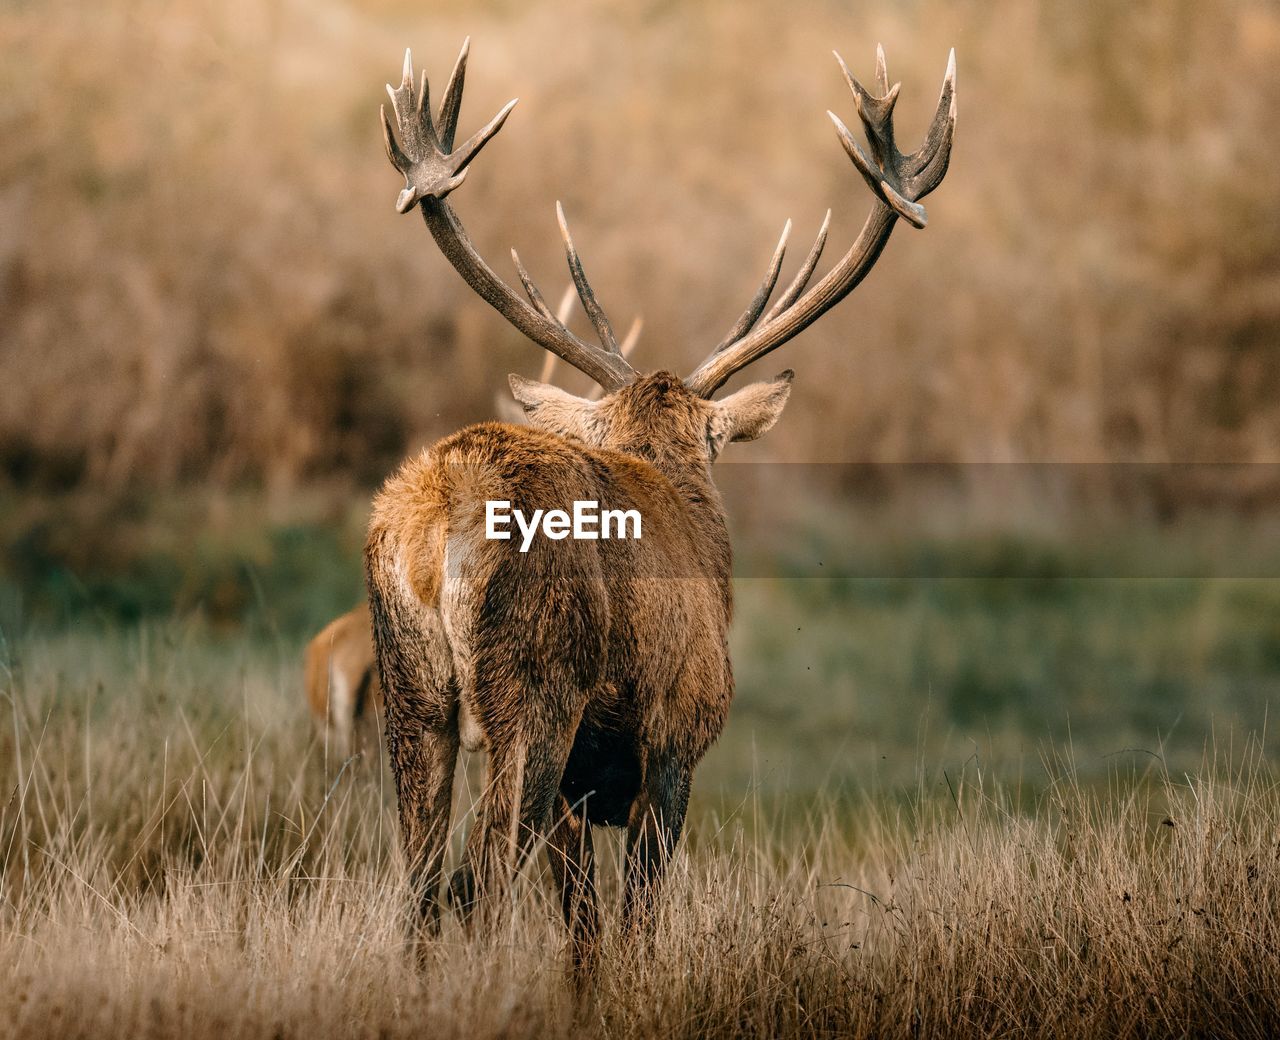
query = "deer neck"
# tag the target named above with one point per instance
(709, 523)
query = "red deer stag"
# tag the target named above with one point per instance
(595, 673)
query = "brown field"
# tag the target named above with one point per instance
(202, 276)
(964, 790)
(178, 858)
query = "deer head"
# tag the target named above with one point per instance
(660, 416)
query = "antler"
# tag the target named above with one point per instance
(510, 411)
(625, 348)
(432, 168)
(898, 181)
(563, 310)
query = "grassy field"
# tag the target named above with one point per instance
(1000, 762)
(901, 834)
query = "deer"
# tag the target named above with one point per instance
(595, 675)
(340, 680)
(339, 677)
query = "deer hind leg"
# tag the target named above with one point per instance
(340, 713)
(653, 831)
(420, 697)
(423, 757)
(572, 861)
(521, 789)
(365, 713)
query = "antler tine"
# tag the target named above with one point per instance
(627, 345)
(927, 166)
(548, 368)
(874, 176)
(451, 102)
(761, 299)
(471, 148)
(405, 90)
(433, 168)
(632, 337)
(422, 104)
(875, 110)
(398, 159)
(408, 106)
(563, 311)
(535, 296)
(898, 182)
(804, 274)
(565, 308)
(589, 302)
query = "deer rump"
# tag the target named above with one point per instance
(609, 646)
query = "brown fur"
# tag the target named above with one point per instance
(595, 673)
(341, 681)
(343, 649)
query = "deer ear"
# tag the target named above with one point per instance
(551, 409)
(749, 413)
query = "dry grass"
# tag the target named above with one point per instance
(201, 280)
(176, 859)
(201, 274)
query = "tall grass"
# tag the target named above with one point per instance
(177, 856)
(201, 275)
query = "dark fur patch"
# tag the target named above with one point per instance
(603, 774)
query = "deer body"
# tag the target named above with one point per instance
(595, 674)
(340, 677)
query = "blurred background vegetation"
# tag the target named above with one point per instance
(216, 335)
